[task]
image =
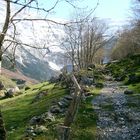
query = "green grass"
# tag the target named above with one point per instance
(135, 88)
(8, 83)
(126, 67)
(84, 127)
(19, 110)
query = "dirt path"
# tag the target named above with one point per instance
(118, 114)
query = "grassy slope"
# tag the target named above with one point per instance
(127, 66)
(18, 111)
(7, 82)
(84, 127)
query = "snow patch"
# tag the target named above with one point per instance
(54, 66)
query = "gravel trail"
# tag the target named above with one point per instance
(118, 114)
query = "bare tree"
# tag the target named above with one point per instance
(83, 40)
(12, 18)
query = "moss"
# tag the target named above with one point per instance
(19, 110)
(126, 67)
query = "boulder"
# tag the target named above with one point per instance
(87, 81)
(50, 117)
(55, 109)
(12, 92)
(40, 129)
(128, 92)
(37, 120)
(68, 97)
(63, 104)
(29, 131)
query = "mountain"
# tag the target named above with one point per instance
(31, 66)
(18, 75)
(31, 62)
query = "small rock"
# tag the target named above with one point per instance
(11, 92)
(88, 94)
(128, 92)
(40, 129)
(50, 117)
(27, 88)
(63, 104)
(68, 97)
(55, 109)
(37, 120)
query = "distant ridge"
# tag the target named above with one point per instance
(18, 75)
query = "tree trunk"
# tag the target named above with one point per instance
(0, 61)
(2, 128)
(4, 29)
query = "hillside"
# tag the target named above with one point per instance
(22, 109)
(17, 75)
(39, 110)
(30, 63)
(127, 70)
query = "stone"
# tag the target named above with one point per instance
(37, 120)
(88, 94)
(11, 92)
(87, 81)
(40, 96)
(68, 97)
(27, 88)
(50, 117)
(55, 109)
(63, 104)
(40, 129)
(128, 92)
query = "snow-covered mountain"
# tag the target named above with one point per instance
(43, 63)
(39, 63)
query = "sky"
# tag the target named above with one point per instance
(110, 9)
